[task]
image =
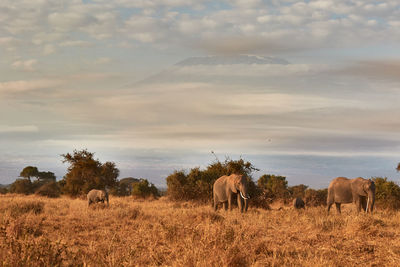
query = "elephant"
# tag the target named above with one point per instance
(360, 191)
(298, 203)
(95, 196)
(225, 186)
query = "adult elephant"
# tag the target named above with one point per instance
(225, 186)
(360, 191)
(95, 196)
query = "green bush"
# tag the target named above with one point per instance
(22, 186)
(275, 186)
(387, 193)
(144, 189)
(315, 198)
(3, 190)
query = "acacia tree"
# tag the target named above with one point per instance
(86, 173)
(29, 172)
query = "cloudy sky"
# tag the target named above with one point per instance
(306, 89)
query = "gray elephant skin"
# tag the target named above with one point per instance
(360, 191)
(95, 196)
(224, 188)
(298, 203)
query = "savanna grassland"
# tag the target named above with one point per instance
(38, 231)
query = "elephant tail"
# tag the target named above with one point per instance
(330, 198)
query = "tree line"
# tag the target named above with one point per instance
(84, 173)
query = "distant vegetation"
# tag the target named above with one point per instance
(85, 173)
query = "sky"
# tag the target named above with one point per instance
(157, 86)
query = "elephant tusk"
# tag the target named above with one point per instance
(242, 195)
(366, 209)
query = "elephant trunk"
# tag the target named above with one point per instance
(371, 200)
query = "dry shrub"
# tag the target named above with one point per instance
(211, 216)
(32, 252)
(16, 209)
(49, 190)
(23, 226)
(130, 213)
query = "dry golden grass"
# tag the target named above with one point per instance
(36, 231)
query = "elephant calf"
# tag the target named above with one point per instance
(95, 196)
(298, 203)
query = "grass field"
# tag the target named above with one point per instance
(37, 231)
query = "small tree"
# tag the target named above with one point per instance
(398, 167)
(274, 185)
(29, 172)
(47, 176)
(86, 173)
(144, 189)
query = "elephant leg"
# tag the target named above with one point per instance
(357, 201)
(363, 203)
(239, 200)
(225, 206)
(329, 206)
(215, 204)
(338, 208)
(230, 202)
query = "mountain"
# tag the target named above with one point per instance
(186, 70)
(231, 60)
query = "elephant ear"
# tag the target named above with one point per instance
(233, 183)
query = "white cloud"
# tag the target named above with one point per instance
(18, 129)
(25, 65)
(76, 43)
(23, 86)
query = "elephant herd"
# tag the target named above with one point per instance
(341, 190)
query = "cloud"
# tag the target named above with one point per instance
(102, 60)
(24, 86)
(18, 129)
(374, 69)
(49, 49)
(25, 65)
(68, 21)
(76, 43)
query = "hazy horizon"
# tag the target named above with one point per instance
(304, 89)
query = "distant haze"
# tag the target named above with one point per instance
(304, 89)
